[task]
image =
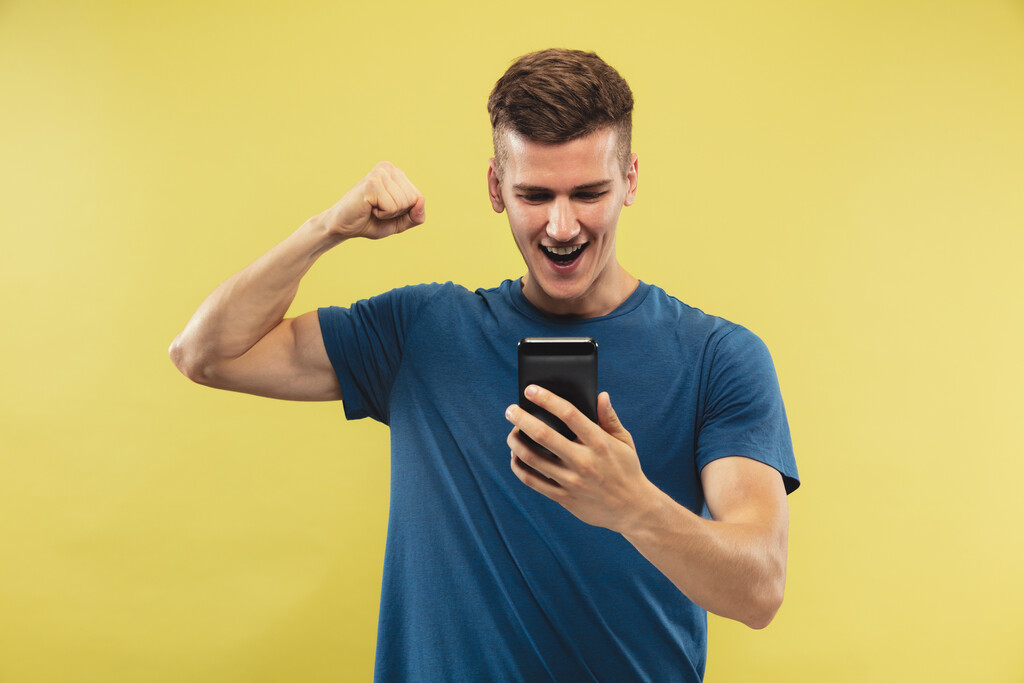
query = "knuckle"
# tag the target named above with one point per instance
(566, 411)
(526, 455)
(583, 469)
(571, 480)
(545, 434)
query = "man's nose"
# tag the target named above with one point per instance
(562, 223)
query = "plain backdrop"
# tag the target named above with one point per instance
(846, 179)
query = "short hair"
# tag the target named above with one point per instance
(555, 96)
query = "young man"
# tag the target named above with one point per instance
(672, 504)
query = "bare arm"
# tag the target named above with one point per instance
(733, 565)
(239, 339)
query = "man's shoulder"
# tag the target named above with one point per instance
(445, 302)
(448, 289)
(671, 309)
(416, 296)
(400, 307)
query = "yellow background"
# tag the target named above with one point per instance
(844, 178)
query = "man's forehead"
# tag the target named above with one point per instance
(587, 161)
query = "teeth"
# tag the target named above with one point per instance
(562, 251)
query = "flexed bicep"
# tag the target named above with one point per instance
(289, 362)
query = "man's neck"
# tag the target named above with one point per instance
(601, 299)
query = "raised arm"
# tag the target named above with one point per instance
(238, 339)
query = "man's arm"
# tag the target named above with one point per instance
(733, 565)
(238, 339)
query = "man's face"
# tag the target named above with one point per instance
(563, 204)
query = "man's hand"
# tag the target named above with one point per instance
(383, 203)
(597, 477)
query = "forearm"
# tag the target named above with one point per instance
(736, 569)
(250, 303)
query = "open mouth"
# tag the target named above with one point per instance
(563, 256)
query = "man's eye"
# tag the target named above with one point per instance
(590, 195)
(534, 197)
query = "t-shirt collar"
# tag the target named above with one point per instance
(523, 305)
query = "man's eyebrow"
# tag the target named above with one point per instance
(521, 187)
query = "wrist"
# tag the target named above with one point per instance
(645, 513)
(322, 239)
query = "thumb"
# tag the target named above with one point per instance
(609, 420)
(416, 215)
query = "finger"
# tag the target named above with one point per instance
(610, 420)
(387, 207)
(401, 192)
(535, 480)
(410, 189)
(579, 423)
(539, 432)
(392, 195)
(417, 215)
(409, 210)
(375, 193)
(548, 467)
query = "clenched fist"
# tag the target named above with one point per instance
(383, 203)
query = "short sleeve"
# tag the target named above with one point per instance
(364, 343)
(743, 413)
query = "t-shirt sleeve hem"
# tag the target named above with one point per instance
(790, 479)
(351, 400)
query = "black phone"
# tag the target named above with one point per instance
(565, 366)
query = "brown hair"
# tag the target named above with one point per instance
(555, 96)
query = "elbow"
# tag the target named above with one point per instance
(765, 605)
(188, 362)
(767, 590)
(761, 619)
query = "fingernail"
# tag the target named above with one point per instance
(530, 391)
(508, 412)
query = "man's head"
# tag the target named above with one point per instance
(556, 96)
(562, 171)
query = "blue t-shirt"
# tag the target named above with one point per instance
(488, 580)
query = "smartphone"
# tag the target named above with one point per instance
(565, 366)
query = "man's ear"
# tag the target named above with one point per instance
(631, 176)
(494, 187)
